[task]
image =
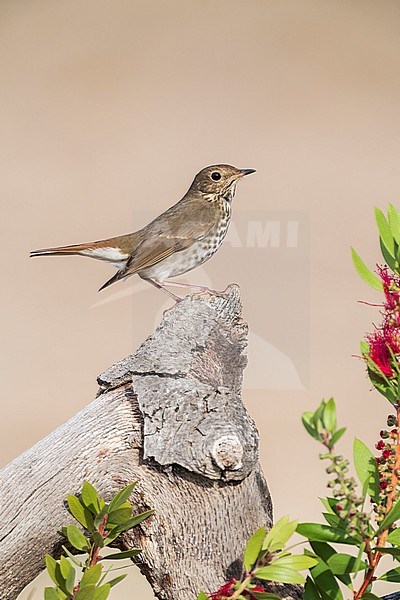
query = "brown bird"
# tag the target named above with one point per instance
(180, 239)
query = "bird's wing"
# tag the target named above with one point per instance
(171, 232)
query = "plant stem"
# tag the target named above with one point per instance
(96, 549)
(94, 552)
(375, 557)
(242, 588)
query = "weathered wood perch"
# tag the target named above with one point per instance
(170, 416)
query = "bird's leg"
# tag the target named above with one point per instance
(199, 288)
(159, 286)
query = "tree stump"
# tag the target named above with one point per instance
(170, 416)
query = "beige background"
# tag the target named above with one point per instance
(110, 108)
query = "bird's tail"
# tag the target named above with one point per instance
(75, 249)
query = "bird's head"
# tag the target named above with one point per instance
(219, 180)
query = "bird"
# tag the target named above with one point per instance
(177, 241)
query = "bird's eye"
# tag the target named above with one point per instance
(216, 176)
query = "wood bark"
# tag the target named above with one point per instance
(170, 416)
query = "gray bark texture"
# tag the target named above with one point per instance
(170, 416)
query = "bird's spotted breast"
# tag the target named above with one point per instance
(198, 253)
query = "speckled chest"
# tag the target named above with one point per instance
(210, 243)
(199, 252)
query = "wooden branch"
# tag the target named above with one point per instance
(170, 416)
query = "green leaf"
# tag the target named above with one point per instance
(329, 504)
(253, 548)
(281, 574)
(389, 260)
(51, 566)
(365, 273)
(116, 580)
(279, 534)
(121, 555)
(341, 564)
(50, 594)
(394, 537)
(335, 521)
(90, 498)
(329, 416)
(308, 422)
(296, 562)
(324, 551)
(99, 518)
(323, 533)
(121, 497)
(102, 592)
(369, 596)
(119, 516)
(364, 347)
(336, 436)
(393, 516)
(98, 539)
(310, 590)
(202, 596)
(393, 575)
(382, 386)
(320, 410)
(394, 223)
(132, 522)
(365, 464)
(54, 570)
(65, 567)
(91, 576)
(326, 582)
(68, 572)
(86, 593)
(395, 552)
(70, 583)
(73, 558)
(76, 537)
(360, 553)
(80, 512)
(384, 231)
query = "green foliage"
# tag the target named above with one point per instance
(322, 424)
(391, 517)
(365, 273)
(253, 548)
(389, 240)
(367, 471)
(347, 523)
(102, 524)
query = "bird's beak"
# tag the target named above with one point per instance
(244, 172)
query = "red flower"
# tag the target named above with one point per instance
(382, 344)
(386, 454)
(225, 591)
(390, 287)
(255, 588)
(380, 445)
